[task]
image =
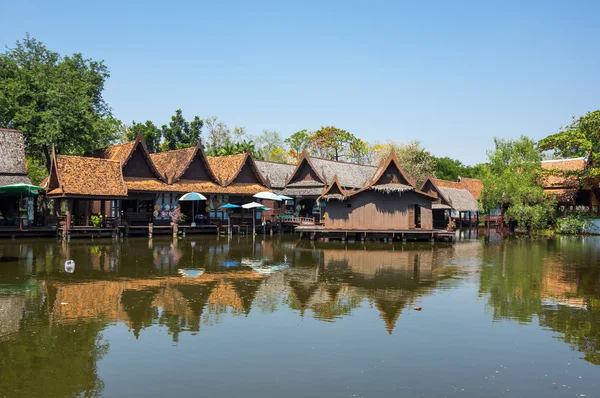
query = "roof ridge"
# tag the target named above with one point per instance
(227, 156)
(173, 150)
(565, 159)
(341, 161)
(272, 161)
(89, 158)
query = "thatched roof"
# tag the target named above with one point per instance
(392, 188)
(460, 199)
(302, 191)
(276, 173)
(334, 191)
(12, 158)
(85, 177)
(473, 185)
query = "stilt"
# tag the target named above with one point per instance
(150, 230)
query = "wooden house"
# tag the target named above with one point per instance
(313, 174)
(561, 182)
(453, 200)
(388, 202)
(13, 171)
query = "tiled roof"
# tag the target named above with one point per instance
(350, 175)
(183, 186)
(447, 184)
(79, 176)
(116, 152)
(226, 168)
(557, 177)
(172, 163)
(473, 185)
(276, 173)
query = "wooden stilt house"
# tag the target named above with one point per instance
(453, 201)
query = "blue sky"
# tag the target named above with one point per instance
(450, 74)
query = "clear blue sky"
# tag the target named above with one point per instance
(450, 75)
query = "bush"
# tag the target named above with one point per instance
(572, 224)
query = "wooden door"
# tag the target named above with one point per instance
(411, 217)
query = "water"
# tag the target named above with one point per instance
(278, 317)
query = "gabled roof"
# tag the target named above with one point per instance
(85, 177)
(558, 172)
(120, 152)
(174, 164)
(473, 185)
(454, 194)
(228, 168)
(276, 173)
(350, 175)
(334, 191)
(387, 182)
(12, 158)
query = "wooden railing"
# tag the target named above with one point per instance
(298, 220)
(133, 218)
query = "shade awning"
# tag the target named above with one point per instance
(192, 196)
(20, 189)
(252, 205)
(268, 196)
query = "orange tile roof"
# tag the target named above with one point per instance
(473, 185)
(173, 163)
(182, 186)
(447, 184)
(557, 169)
(226, 167)
(116, 152)
(79, 176)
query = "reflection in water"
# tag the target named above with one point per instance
(186, 286)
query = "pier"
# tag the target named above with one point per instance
(389, 235)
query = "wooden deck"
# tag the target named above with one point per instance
(27, 232)
(358, 234)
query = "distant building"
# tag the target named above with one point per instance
(13, 170)
(453, 200)
(566, 187)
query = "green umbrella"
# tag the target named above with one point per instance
(20, 189)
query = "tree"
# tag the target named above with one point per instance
(580, 138)
(417, 162)
(270, 146)
(218, 135)
(299, 142)
(336, 144)
(36, 170)
(512, 179)
(450, 169)
(152, 134)
(54, 100)
(180, 133)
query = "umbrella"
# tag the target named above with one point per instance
(20, 188)
(192, 196)
(267, 195)
(283, 197)
(253, 206)
(228, 206)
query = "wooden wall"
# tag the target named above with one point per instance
(377, 211)
(246, 175)
(196, 171)
(137, 166)
(305, 173)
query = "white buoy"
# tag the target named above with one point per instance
(69, 266)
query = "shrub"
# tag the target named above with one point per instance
(572, 224)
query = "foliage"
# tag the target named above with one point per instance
(580, 138)
(36, 171)
(180, 133)
(416, 161)
(270, 147)
(450, 169)
(336, 144)
(217, 135)
(54, 100)
(151, 133)
(96, 219)
(298, 143)
(513, 179)
(572, 224)
(177, 216)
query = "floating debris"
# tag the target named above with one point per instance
(69, 266)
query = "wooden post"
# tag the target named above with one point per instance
(150, 230)
(175, 229)
(87, 212)
(69, 217)
(103, 212)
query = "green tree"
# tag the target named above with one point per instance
(36, 170)
(152, 134)
(580, 138)
(336, 144)
(513, 180)
(298, 143)
(218, 136)
(54, 100)
(270, 146)
(180, 133)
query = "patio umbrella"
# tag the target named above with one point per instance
(253, 206)
(268, 195)
(283, 197)
(20, 188)
(192, 196)
(228, 206)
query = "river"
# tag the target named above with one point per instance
(278, 317)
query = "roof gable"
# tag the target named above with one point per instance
(138, 163)
(390, 172)
(305, 172)
(239, 169)
(184, 164)
(334, 190)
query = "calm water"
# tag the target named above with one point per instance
(277, 317)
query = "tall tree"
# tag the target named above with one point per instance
(152, 134)
(218, 135)
(270, 146)
(180, 133)
(512, 179)
(580, 138)
(54, 100)
(415, 160)
(450, 169)
(298, 143)
(333, 143)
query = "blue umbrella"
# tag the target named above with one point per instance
(228, 206)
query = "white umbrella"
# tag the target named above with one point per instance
(283, 197)
(253, 206)
(192, 196)
(268, 196)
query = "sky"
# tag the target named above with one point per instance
(452, 75)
